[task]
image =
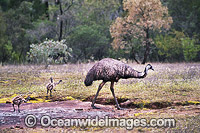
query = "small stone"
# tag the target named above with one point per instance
(79, 109)
(17, 126)
(12, 128)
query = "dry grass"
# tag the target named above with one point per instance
(169, 83)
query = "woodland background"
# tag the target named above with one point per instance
(62, 31)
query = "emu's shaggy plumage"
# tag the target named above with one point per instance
(112, 70)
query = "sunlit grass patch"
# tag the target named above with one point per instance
(168, 83)
(137, 114)
(193, 102)
(4, 100)
(69, 98)
(7, 99)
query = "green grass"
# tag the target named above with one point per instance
(169, 82)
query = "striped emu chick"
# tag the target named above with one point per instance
(18, 100)
(51, 86)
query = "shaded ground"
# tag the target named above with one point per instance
(137, 103)
(78, 109)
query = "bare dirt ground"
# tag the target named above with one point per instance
(79, 109)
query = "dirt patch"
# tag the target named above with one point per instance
(59, 109)
(79, 109)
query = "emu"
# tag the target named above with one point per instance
(51, 86)
(18, 100)
(112, 70)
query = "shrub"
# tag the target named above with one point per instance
(49, 52)
(190, 49)
(170, 46)
(89, 42)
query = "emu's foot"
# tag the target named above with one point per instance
(94, 107)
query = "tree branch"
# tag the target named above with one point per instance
(72, 2)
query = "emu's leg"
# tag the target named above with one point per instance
(113, 93)
(50, 93)
(93, 102)
(13, 107)
(18, 108)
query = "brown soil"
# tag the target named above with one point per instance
(79, 109)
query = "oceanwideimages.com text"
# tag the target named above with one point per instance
(128, 123)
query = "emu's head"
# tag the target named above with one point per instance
(60, 81)
(51, 79)
(27, 99)
(148, 67)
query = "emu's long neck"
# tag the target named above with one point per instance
(136, 74)
(57, 83)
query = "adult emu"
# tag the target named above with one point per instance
(112, 70)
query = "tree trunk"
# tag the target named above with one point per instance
(61, 22)
(61, 27)
(61, 13)
(146, 53)
(133, 55)
(47, 9)
(120, 9)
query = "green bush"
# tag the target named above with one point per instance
(170, 46)
(177, 46)
(6, 47)
(190, 49)
(5, 51)
(89, 42)
(50, 51)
